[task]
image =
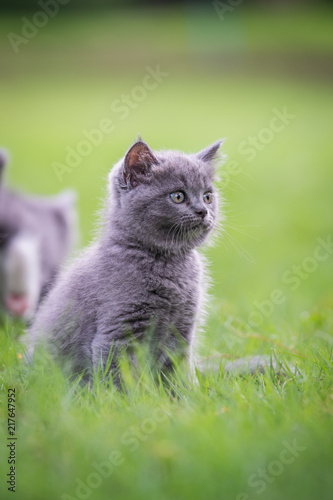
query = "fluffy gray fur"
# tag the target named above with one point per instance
(50, 223)
(143, 277)
(243, 366)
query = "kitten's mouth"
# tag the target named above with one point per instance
(197, 228)
(16, 304)
(201, 224)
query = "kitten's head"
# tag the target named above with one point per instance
(165, 200)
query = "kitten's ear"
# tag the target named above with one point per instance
(209, 153)
(138, 161)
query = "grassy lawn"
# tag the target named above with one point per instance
(227, 437)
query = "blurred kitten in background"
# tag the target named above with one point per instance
(36, 236)
(3, 162)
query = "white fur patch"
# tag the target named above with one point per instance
(22, 274)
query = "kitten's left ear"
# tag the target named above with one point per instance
(138, 161)
(209, 153)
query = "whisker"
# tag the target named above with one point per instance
(239, 248)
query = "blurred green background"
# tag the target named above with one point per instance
(228, 70)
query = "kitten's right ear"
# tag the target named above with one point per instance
(138, 161)
(209, 154)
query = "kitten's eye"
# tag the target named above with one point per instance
(208, 197)
(178, 196)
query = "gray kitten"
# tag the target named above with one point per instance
(36, 235)
(144, 277)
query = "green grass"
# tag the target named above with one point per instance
(212, 439)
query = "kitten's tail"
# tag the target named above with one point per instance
(244, 366)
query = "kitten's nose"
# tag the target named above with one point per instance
(202, 212)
